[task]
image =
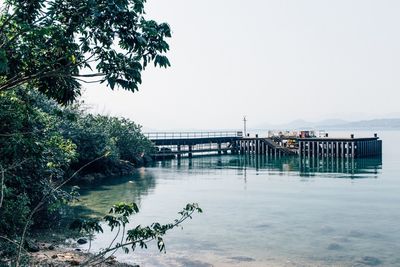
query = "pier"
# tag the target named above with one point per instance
(178, 144)
(340, 147)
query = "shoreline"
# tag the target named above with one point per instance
(65, 257)
(51, 254)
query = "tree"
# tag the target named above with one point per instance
(53, 45)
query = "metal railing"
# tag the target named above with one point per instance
(190, 135)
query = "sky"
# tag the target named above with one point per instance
(274, 61)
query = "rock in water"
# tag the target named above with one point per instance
(82, 241)
(31, 246)
(74, 263)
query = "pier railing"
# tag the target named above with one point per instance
(190, 135)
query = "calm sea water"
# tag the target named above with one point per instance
(265, 211)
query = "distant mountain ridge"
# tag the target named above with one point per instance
(371, 124)
(335, 124)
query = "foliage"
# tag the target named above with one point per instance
(118, 218)
(53, 45)
(127, 137)
(42, 143)
(33, 156)
(96, 135)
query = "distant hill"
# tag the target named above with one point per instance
(369, 124)
(336, 124)
(301, 124)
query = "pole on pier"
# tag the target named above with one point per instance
(244, 125)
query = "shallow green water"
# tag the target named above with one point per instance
(265, 211)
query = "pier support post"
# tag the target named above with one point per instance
(179, 151)
(337, 149)
(300, 148)
(219, 149)
(311, 149)
(190, 155)
(369, 148)
(262, 148)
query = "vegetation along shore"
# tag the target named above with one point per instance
(48, 49)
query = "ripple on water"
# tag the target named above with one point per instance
(368, 261)
(263, 226)
(341, 239)
(356, 233)
(327, 229)
(242, 258)
(334, 246)
(192, 263)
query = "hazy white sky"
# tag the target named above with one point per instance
(272, 60)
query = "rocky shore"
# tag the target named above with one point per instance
(60, 255)
(67, 257)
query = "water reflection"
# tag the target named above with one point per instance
(303, 166)
(292, 209)
(96, 199)
(348, 167)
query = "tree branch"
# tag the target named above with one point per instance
(2, 185)
(15, 81)
(43, 201)
(89, 75)
(90, 261)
